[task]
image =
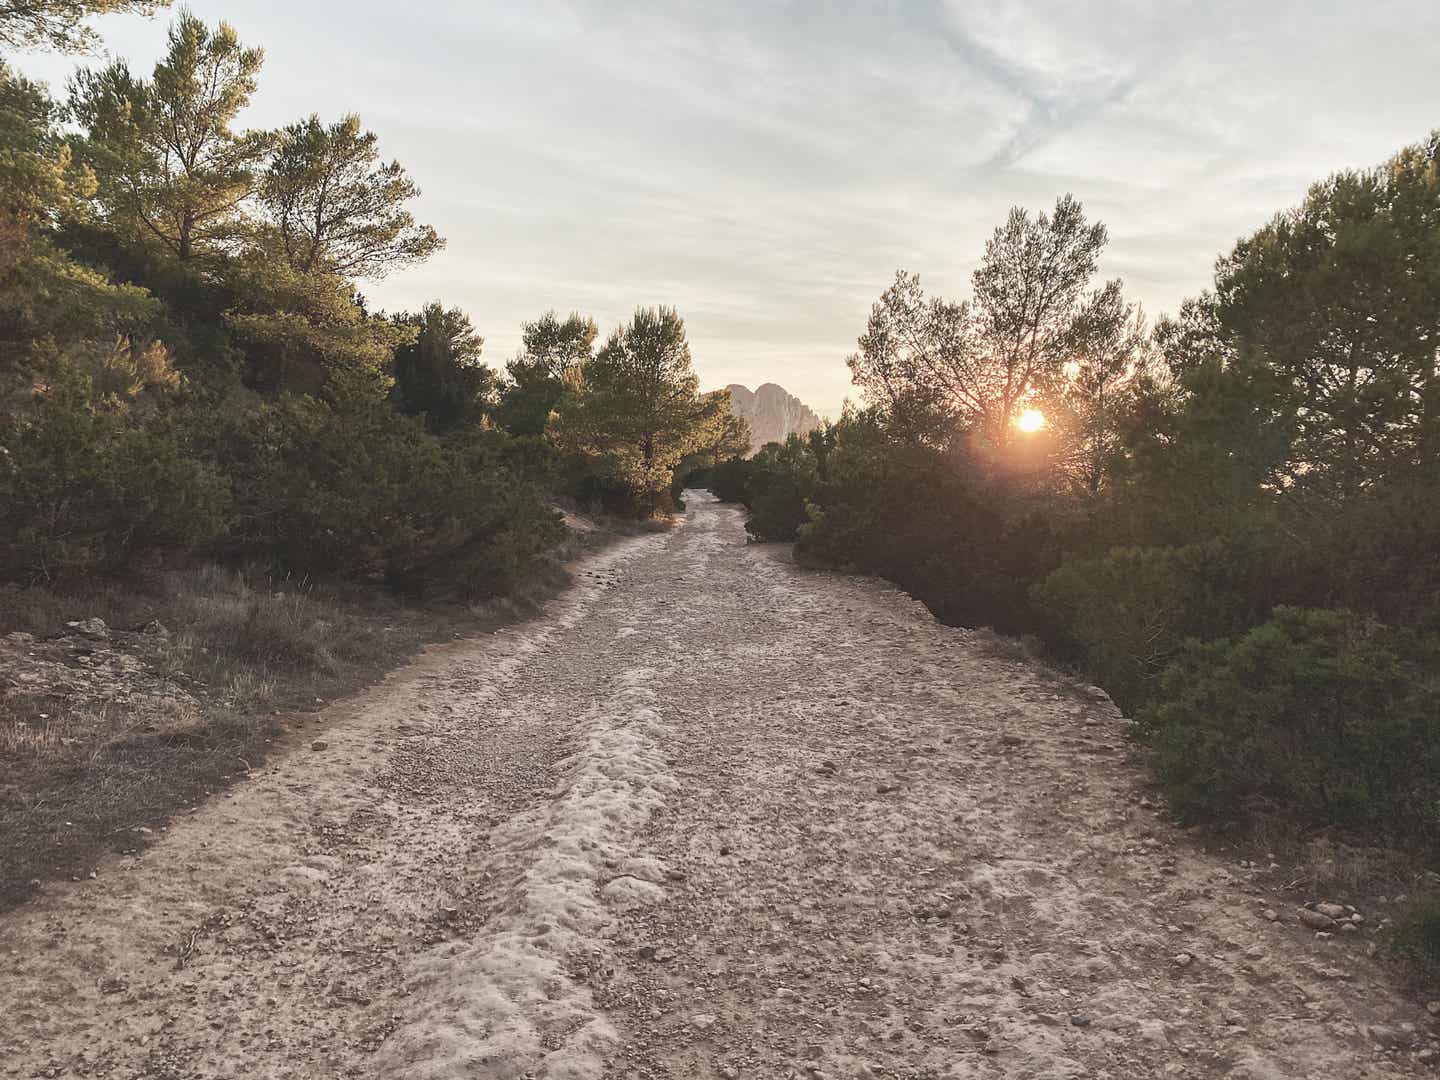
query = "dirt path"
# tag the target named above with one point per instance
(712, 816)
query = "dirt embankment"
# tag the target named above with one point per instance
(711, 816)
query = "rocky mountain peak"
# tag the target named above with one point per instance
(772, 412)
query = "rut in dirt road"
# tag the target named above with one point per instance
(713, 815)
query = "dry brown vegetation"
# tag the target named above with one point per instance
(197, 674)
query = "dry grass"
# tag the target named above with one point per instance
(109, 739)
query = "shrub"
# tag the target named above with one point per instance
(351, 490)
(85, 489)
(1315, 712)
(730, 480)
(782, 479)
(1125, 615)
(1416, 938)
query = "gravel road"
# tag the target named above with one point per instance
(712, 815)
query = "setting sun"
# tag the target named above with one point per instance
(1031, 420)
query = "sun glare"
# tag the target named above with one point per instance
(1031, 420)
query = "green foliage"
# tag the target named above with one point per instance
(636, 409)
(171, 169)
(337, 207)
(355, 491)
(782, 479)
(1340, 300)
(1124, 615)
(1416, 938)
(723, 437)
(60, 24)
(176, 373)
(439, 375)
(37, 172)
(301, 332)
(938, 367)
(85, 489)
(730, 479)
(1272, 449)
(537, 383)
(1316, 711)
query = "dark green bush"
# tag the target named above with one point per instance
(1416, 939)
(1316, 712)
(351, 490)
(1123, 616)
(730, 480)
(84, 489)
(966, 540)
(782, 479)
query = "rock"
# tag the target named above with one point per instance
(1316, 920)
(1079, 1020)
(1390, 1037)
(703, 1021)
(90, 628)
(1155, 1032)
(319, 744)
(630, 893)
(1433, 1008)
(1183, 960)
(156, 628)
(773, 414)
(1270, 915)
(784, 993)
(1333, 911)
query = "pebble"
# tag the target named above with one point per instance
(1394, 1037)
(1433, 1008)
(703, 1021)
(1334, 911)
(1316, 920)
(1183, 959)
(1270, 915)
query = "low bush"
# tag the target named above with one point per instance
(1416, 939)
(1317, 713)
(729, 481)
(1123, 616)
(85, 489)
(351, 490)
(782, 479)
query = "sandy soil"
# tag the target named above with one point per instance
(711, 816)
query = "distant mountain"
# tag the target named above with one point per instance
(773, 414)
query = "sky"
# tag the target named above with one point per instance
(766, 167)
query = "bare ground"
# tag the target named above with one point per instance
(712, 815)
